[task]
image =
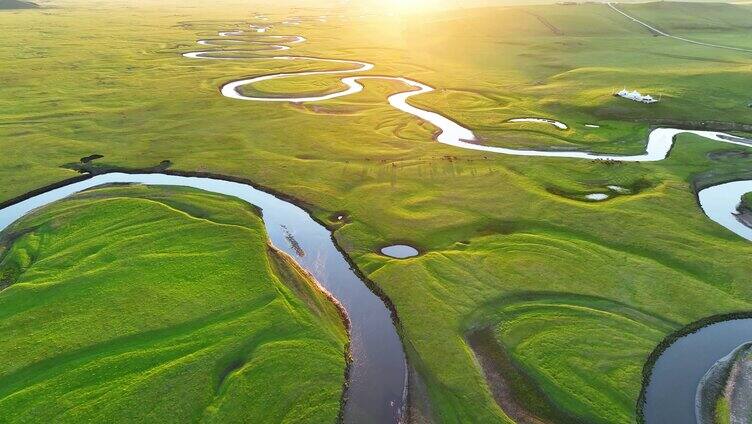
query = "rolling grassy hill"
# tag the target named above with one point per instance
(160, 305)
(682, 16)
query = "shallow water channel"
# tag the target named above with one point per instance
(670, 394)
(378, 374)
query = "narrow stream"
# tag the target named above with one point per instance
(659, 143)
(378, 374)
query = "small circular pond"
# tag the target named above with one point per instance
(597, 196)
(670, 393)
(400, 251)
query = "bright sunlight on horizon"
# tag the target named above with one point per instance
(417, 6)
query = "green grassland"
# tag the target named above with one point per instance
(670, 17)
(718, 23)
(135, 304)
(747, 201)
(578, 293)
(587, 370)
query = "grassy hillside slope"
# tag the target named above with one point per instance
(160, 305)
(681, 16)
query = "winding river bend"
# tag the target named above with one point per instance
(378, 373)
(718, 202)
(659, 144)
(715, 201)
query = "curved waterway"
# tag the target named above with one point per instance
(715, 201)
(659, 144)
(671, 391)
(670, 395)
(720, 204)
(378, 374)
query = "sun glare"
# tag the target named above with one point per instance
(412, 6)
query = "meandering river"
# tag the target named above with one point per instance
(659, 144)
(378, 378)
(378, 373)
(718, 202)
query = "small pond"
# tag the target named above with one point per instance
(400, 251)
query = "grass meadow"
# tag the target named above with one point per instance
(576, 293)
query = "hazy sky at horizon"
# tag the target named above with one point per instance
(425, 5)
